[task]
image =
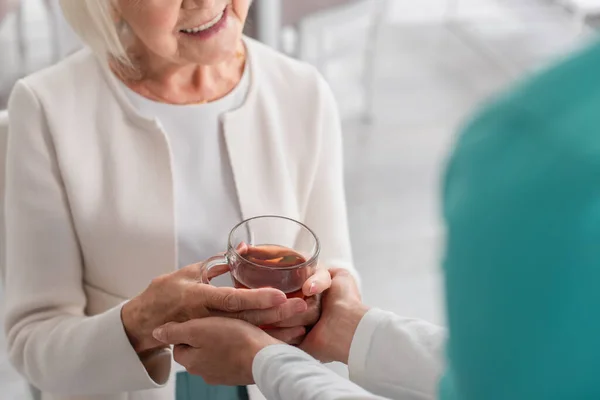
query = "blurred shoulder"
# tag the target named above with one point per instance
(540, 137)
(565, 86)
(554, 112)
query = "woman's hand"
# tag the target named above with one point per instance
(220, 350)
(180, 296)
(312, 290)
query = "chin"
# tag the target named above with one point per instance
(211, 58)
(218, 49)
(214, 54)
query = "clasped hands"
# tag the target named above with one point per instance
(222, 350)
(179, 297)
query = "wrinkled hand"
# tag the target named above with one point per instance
(342, 310)
(312, 289)
(180, 296)
(220, 350)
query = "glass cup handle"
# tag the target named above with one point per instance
(213, 267)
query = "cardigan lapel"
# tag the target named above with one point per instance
(259, 169)
(256, 154)
(259, 165)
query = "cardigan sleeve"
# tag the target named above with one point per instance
(326, 211)
(50, 339)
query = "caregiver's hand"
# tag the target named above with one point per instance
(312, 290)
(331, 337)
(180, 297)
(220, 350)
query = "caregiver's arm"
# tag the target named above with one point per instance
(388, 355)
(391, 356)
(239, 354)
(283, 372)
(397, 357)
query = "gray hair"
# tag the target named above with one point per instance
(94, 23)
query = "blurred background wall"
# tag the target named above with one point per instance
(405, 73)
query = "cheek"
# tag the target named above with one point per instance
(163, 20)
(241, 8)
(154, 26)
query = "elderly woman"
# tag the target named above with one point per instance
(131, 160)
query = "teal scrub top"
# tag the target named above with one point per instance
(522, 206)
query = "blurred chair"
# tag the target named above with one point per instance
(55, 36)
(16, 6)
(582, 10)
(329, 30)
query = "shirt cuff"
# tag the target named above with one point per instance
(361, 343)
(152, 371)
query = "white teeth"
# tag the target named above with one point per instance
(206, 26)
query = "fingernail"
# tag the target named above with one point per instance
(158, 334)
(313, 288)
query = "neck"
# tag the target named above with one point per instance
(172, 83)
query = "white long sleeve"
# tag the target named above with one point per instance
(286, 373)
(394, 357)
(397, 357)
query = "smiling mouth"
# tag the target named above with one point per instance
(206, 26)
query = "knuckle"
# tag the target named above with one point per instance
(231, 302)
(194, 272)
(281, 314)
(240, 315)
(252, 317)
(212, 297)
(192, 294)
(188, 300)
(159, 280)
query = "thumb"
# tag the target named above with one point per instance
(175, 333)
